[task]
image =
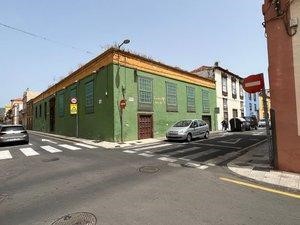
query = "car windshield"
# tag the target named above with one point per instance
(12, 128)
(183, 123)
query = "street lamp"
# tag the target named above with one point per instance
(126, 41)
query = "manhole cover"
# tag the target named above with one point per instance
(50, 160)
(79, 218)
(148, 169)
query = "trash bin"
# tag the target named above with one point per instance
(237, 124)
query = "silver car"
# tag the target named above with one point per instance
(13, 133)
(187, 130)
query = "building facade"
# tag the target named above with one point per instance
(261, 104)
(156, 96)
(252, 104)
(229, 92)
(283, 41)
(25, 116)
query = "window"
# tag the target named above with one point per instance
(225, 106)
(145, 94)
(36, 112)
(73, 92)
(254, 97)
(171, 90)
(250, 96)
(241, 91)
(224, 85)
(255, 107)
(61, 107)
(233, 86)
(234, 113)
(40, 110)
(226, 116)
(242, 105)
(205, 101)
(89, 97)
(45, 110)
(250, 106)
(190, 93)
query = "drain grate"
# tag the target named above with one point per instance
(51, 159)
(79, 218)
(148, 169)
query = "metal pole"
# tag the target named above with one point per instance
(77, 124)
(122, 138)
(266, 115)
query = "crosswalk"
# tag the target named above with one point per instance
(31, 150)
(198, 154)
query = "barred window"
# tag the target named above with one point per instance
(190, 93)
(205, 101)
(145, 94)
(89, 97)
(61, 107)
(73, 92)
(171, 93)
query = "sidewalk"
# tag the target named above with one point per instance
(103, 144)
(254, 165)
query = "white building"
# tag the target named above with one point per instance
(229, 92)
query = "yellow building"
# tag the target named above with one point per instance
(261, 105)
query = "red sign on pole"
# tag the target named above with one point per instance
(123, 104)
(253, 83)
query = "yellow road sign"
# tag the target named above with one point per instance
(73, 109)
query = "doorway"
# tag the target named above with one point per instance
(52, 114)
(207, 120)
(145, 126)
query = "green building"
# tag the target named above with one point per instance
(156, 95)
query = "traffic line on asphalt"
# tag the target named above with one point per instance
(50, 149)
(202, 167)
(69, 147)
(146, 154)
(85, 145)
(47, 140)
(166, 159)
(242, 183)
(152, 147)
(5, 155)
(129, 151)
(28, 151)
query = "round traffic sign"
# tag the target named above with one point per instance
(253, 83)
(73, 100)
(123, 104)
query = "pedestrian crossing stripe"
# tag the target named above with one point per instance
(28, 151)
(5, 155)
(50, 149)
(69, 147)
(85, 145)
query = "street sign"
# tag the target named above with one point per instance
(73, 109)
(73, 100)
(253, 83)
(123, 104)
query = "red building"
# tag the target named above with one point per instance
(281, 24)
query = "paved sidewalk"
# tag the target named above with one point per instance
(254, 165)
(103, 144)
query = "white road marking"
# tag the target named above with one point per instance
(28, 151)
(85, 145)
(50, 149)
(152, 147)
(146, 155)
(129, 151)
(202, 167)
(5, 155)
(192, 164)
(167, 159)
(184, 159)
(70, 147)
(47, 140)
(30, 144)
(231, 141)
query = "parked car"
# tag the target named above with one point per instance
(262, 123)
(187, 130)
(13, 133)
(251, 122)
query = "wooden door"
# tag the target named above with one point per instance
(145, 126)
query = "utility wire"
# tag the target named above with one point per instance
(45, 38)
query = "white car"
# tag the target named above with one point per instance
(262, 123)
(187, 130)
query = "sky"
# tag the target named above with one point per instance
(183, 33)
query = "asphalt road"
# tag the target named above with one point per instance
(137, 185)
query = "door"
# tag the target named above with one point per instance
(145, 126)
(52, 114)
(207, 119)
(195, 129)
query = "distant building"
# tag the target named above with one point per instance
(16, 106)
(261, 104)
(252, 104)
(26, 112)
(229, 92)
(2, 115)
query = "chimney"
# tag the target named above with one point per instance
(216, 64)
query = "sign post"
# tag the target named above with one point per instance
(122, 107)
(74, 111)
(253, 84)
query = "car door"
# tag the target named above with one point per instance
(203, 127)
(195, 128)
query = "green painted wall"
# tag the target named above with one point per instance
(162, 119)
(96, 125)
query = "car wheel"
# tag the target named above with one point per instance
(189, 137)
(206, 136)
